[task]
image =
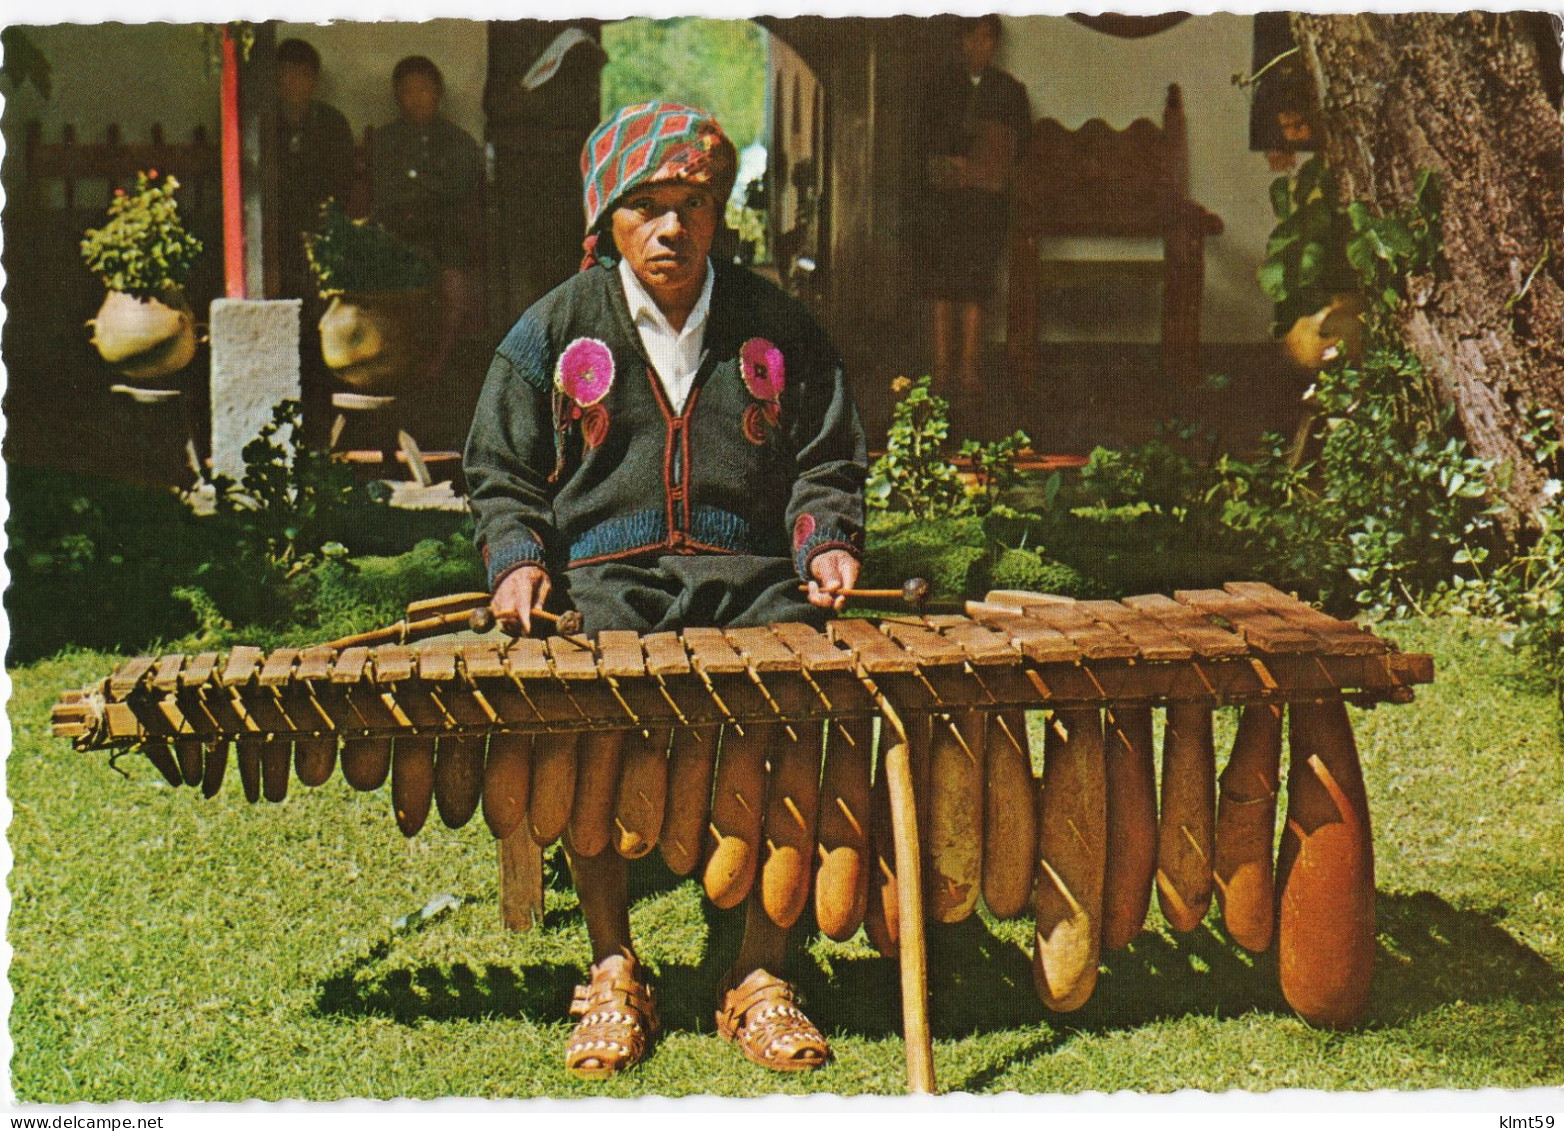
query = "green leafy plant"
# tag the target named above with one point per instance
(994, 465)
(1319, 249)
(289, 507)
(144, 249)
(1157, 477)
(1406, 494)
(357, 255)
(914, 475)
(948, 552)
(1270, 507)
(1031, 570)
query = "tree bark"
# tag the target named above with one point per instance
(1462, 94)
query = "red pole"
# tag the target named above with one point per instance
(233, 196)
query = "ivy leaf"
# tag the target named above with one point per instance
(1396, 236)
(1311, 263)
(1360, 253)
(1280, 241)
(1272, 275)
(1281, 198)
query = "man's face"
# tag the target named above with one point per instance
(978, 46)
(418, 97)
(296, 85)
(665, 233)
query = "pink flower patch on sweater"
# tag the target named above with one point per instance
(585, 371)
(765, 373)
(803, 528)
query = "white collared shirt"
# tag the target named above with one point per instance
(675, 354)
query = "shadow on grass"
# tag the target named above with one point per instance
(1430, 954)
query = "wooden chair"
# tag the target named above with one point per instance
(1098, 181)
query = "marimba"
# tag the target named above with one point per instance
(882, 767)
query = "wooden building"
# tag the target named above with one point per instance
(843, 99)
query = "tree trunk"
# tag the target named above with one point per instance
(1462, 94)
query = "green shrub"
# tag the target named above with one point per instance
(1027, 569)
(994, 467)
(358, 255)
(913, 476)
(944, 551)
(94, 562)
(144, 248)
(1398, 488)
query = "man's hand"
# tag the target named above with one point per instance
(833, 572)
(520, 592)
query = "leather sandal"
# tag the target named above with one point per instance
(617, 1023)
(770, 1029)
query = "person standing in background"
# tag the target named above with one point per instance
(316, 157)
(426, 175)
(972, 130)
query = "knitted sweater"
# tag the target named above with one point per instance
(575, 456)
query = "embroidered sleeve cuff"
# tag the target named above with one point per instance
(510, 556)
(822, 541)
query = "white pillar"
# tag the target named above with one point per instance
(255, 366)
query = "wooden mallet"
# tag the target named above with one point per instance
(567, 623)
(914, 593)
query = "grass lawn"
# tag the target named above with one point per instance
(168, 947)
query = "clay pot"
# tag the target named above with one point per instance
(1333, 331)
(373, 340)
(145, 338)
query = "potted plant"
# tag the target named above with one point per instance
(380, 316)
(145, 328)
(1328, 268)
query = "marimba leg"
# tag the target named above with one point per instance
(1132, 823)
(1186, 833)
(954, 834)
(1326, 929)
(1072, 859)
(521, 879)
(842, 881)
(507, 780)
(1009, 816)
(688, 808)
(792, 798)
(1246, 828)
(909, 911)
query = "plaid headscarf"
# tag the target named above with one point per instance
(651, 143)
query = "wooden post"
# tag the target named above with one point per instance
(521, 879)
(909, 910)
(258, 110)
(233, 197)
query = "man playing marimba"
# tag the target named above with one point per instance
(666, 442)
